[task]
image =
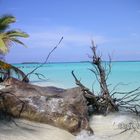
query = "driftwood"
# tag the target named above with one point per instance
(102, 103)
(66, 109)
(107, 101)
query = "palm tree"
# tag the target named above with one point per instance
(9, 38)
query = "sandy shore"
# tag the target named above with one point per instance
(44, 84)
(27, 130)
(105, 128)
(111, 127)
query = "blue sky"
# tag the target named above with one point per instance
(113, 24)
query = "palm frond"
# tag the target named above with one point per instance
(15, 40)
(8, 70)
(8, 39)
(5, 20)
(17, 33)
(3, 48)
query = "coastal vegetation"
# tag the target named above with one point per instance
(9, 38)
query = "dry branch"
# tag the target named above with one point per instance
(104, 102)
(45, 60)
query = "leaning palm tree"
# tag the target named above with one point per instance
(9, 38)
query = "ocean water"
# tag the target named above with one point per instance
(124, 74)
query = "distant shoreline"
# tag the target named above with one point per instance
(30, 63)
(72, 62)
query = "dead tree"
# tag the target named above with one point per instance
(107, 101)
(90, 96)
(99, 71)
(103, 103)
(102, 76)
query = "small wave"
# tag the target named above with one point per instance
(83, 135)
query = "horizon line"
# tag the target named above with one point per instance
(28, 62)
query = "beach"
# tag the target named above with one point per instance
(25, 130)
(70, 70)
(105, 128)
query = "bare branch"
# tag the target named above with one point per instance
(45, 60)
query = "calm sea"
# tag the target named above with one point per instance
(124, 74)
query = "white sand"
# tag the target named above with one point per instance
(105, 128)
(44, 84)
(32, 131)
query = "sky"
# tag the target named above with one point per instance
(114, 25)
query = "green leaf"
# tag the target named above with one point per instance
(18, 41)
(16, 33)
(5, 21)
(8, 38)
(3, 47)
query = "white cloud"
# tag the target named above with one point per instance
(49, 37)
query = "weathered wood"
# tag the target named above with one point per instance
(66, 109)
(102, 103)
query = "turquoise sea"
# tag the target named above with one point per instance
(126, 74)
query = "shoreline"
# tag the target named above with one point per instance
(47, 83)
